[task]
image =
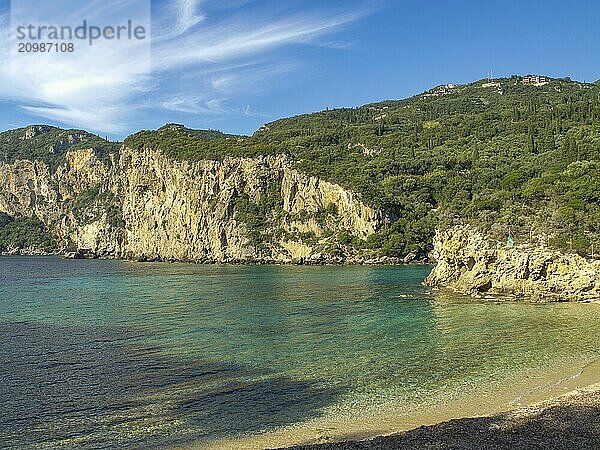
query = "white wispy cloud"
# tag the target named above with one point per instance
(88, 88)
(227, 41)
(176, 19)
(248, 78)
(198, 61)
(194, 104)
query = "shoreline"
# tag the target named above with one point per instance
(375, 261)
(396, 429)
(570, 421)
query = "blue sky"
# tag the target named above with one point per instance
(236, 64)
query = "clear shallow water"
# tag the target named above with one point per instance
(101, 354)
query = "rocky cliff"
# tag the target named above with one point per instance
(468, 262)
(141, 204)
(236, 209)
(74, 200)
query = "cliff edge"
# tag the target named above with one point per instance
(141, 204)
(468, 262)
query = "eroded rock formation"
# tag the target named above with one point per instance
(143, 205)
(468, 262)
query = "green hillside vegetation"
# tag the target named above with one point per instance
(24, 233)
(514, 159)
(204, 135)
(49, 144)
(184, 144)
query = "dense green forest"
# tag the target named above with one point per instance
(515, 156)
(24, 233)
(50, 144)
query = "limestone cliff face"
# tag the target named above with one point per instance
(71, 200)
(189, 210)
(467, 262)
(310, 194)
(185, 211)
(141, 204)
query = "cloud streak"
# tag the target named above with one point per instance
(199, 60)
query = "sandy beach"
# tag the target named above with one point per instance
(555, 410)
(571, 421)
(564, 414)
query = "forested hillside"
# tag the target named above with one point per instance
(49, 144)
(517, 156)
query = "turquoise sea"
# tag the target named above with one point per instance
(105, 354)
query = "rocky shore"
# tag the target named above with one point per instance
(25, 252)
(141, 205)
(468, 262)
(313, 260)
(569, 422)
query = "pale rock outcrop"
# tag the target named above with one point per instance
(33, 131)
(312, 194)
(186, 210)
(468, 262)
